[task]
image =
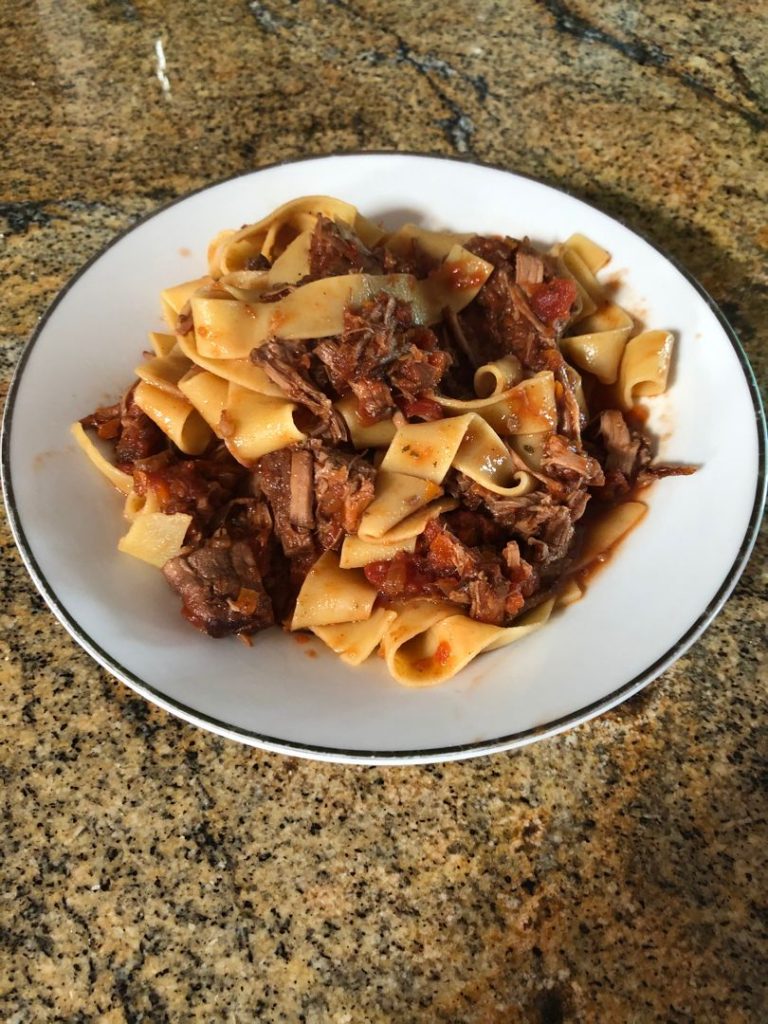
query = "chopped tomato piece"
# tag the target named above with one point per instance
(423, 408)
(552, 300)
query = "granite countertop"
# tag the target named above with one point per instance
(153, 872)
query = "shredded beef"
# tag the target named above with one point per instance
(411, 258)
(523, 308)
(380, 340)
(626, 451)
(537, 519)
(493, 249)
(568, 407)
(375, 401)
(335, 250)
(105, 421)
(564, 460)
(370, 341)
(287, 365)
(418, 372)
(529, 268)
(491, 585)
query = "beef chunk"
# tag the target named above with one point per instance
(493, 249)
(221, 581)
(272, 477)
(491, 586)
(374, 399)
(489, 595)
(343, 491)
(419, 370)
(139, 436)
(136, 437)
(339, 483)
(522, 307)
(536, 518)
(529, 268)
(381, 356)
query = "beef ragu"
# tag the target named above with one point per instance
(265, 516)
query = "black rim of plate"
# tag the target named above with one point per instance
(430, 754)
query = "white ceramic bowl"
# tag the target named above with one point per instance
(669, 579)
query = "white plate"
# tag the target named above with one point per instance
(669, 579)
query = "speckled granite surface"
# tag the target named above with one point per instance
(151, 872)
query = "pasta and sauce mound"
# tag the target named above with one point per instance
(414, 442)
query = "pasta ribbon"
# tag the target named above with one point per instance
(600, 348)
(208, 394)
(529, 407)
(162, 344)
(437, 244)
(377, 435)
(174, 299)
(415, 524)
(228, 329)
(356, 641)
(238, 371)
(175, 417)
(122, 481)
(253, 424)
(231, 250)
(357, 553)
(164, 372)
(154, 537)
(289, 268)
(428, 645)
(495, 378)
(584, 278)
(645, 366)
(592, 255)
(468, 443)
(609, 530)
(137, 504)
(331, 595)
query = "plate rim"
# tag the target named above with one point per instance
(352, 755)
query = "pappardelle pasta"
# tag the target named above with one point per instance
(411, 442)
